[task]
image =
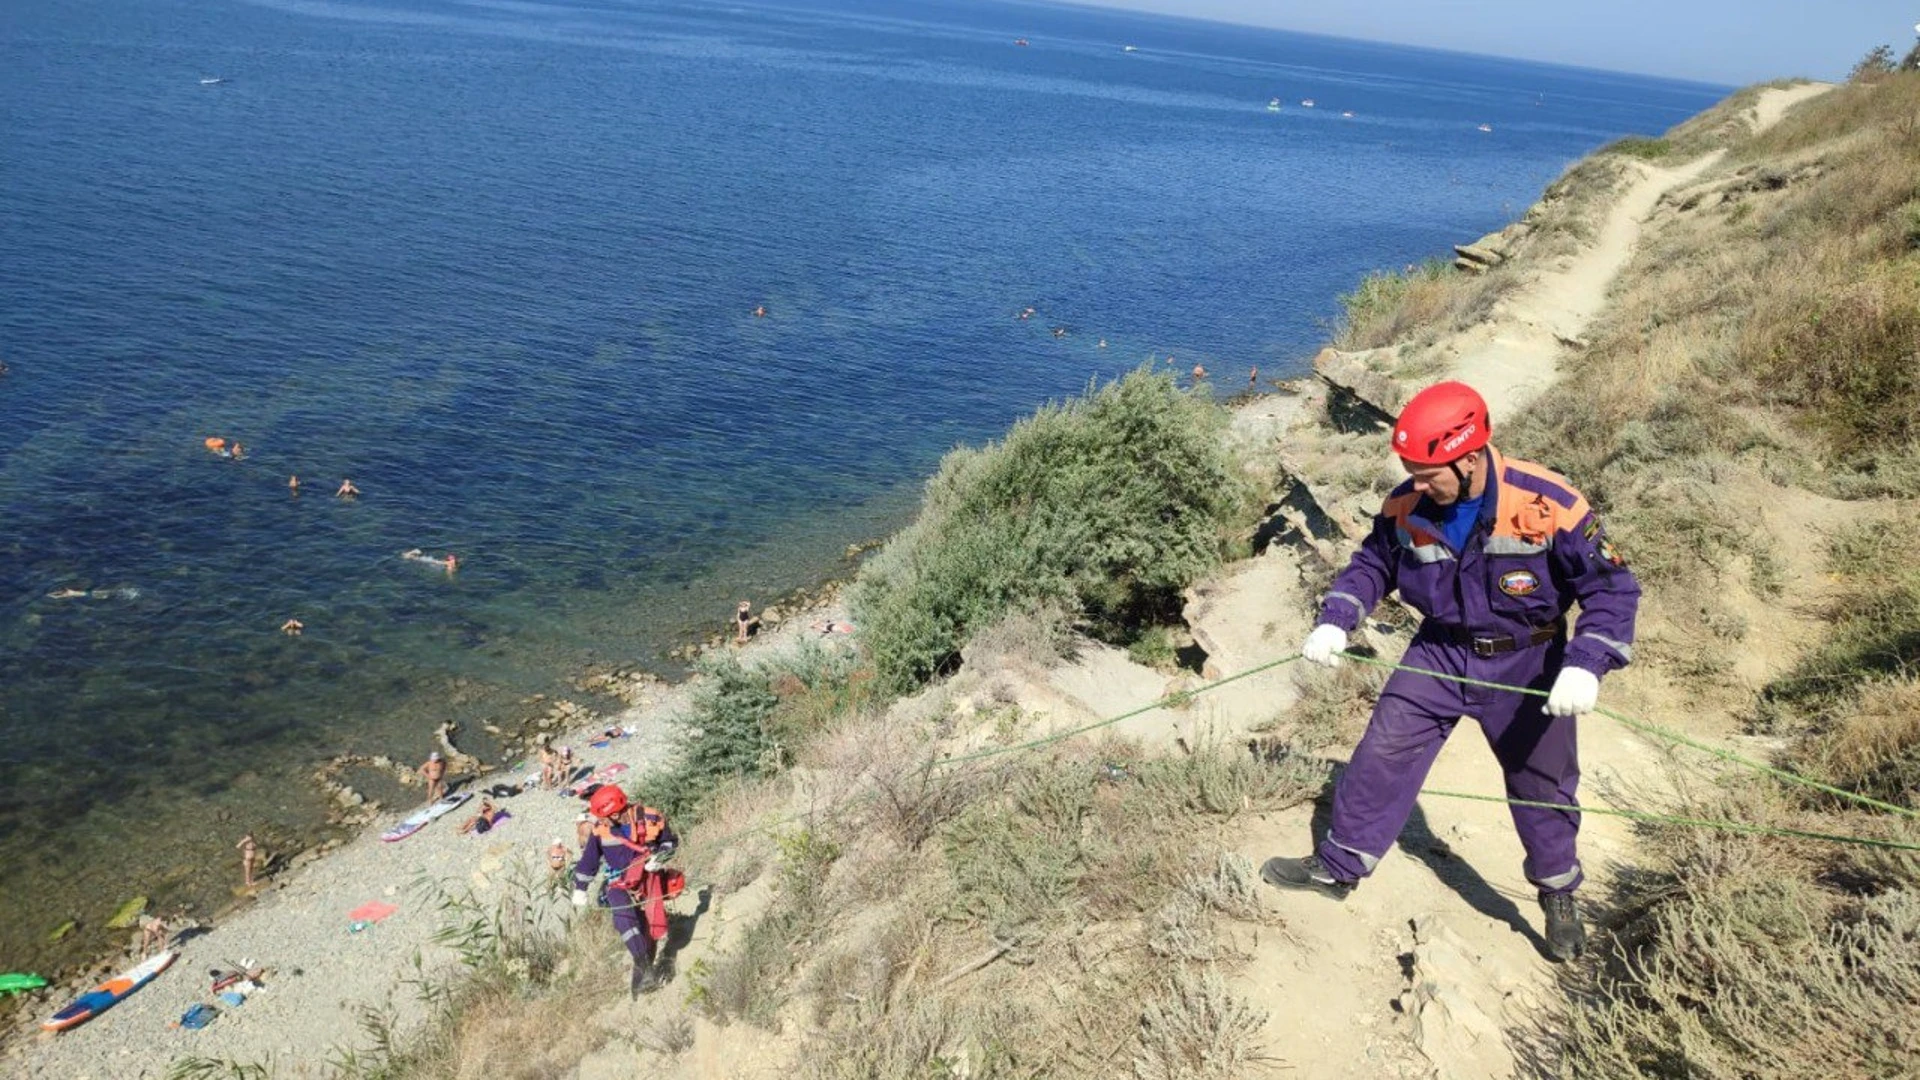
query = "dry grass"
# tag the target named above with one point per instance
(1416, 305)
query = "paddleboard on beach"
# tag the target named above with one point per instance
(107, 994)
(605, 774)
(425, 816)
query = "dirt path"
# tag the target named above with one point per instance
(1422, 969)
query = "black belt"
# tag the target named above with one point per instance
(1495, 644)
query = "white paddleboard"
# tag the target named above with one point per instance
(425, 816)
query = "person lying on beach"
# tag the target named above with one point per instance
(484, 819)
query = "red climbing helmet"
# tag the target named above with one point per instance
(1442, 424)
(608, 801)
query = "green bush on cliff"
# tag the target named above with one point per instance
(1105, 506)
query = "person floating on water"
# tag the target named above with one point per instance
(292, 627)
(451, 562)
(347, 490)
(66, 594)
(1199, 373)
(760, 312)
(236, 451)
(293, 484)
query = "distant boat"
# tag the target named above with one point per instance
(1129, 48)
(1273, 105)
(1486, 127)
(1348, 114)
(1306, 103)
(1020, 41)
(211, 82)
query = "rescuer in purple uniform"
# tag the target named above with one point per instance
(1493, 552)
(624, 832)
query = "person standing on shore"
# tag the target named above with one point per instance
(434, 772)
(1493, 551)
(249, 859)
(742, 622)
(632, 842)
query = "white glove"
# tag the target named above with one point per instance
(652, 864)
(579, 898)
(1324, 645)
(1575, 691)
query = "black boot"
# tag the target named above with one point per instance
(1566, 934)
(1309, 873)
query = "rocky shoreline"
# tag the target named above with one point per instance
(363, 790)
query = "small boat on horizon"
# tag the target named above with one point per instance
(1020, 41)
(1348, 114)
(1129, 48)
(1486, 127)
(1306, 103)
(211, 82)
(1273, 105)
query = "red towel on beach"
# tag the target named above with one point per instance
(371, 911)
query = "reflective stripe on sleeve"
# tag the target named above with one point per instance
(1351, 599)
(1620, 648)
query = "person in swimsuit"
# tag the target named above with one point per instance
(743, 621)
(483, 820)
(434, 772)
(292, 627)
(293, 484)
(66, 594)
(249, 859)
(347, 490)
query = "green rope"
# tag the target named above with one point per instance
(1167, 702)
(1184, 696)
(1670, 819)
(1656, 730)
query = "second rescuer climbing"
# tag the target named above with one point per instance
(633, 842)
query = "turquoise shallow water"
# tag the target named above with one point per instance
(498, 262)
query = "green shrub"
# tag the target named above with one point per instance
(1638, 146)
(1105, 506)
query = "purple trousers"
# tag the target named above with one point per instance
(1538, 753)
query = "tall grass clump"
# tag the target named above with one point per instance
(1424, 300)
(1103, 507)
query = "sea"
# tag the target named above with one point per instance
(639, 308)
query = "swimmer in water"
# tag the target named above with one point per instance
(293, 484)
(237, 452)
(347, 490)
(449, 563)
(66, 594)
(760, 312)
(292, 627)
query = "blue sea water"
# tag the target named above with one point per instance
(498, 262)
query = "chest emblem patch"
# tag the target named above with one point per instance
(1519, 583)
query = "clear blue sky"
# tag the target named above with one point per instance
(1719, 41)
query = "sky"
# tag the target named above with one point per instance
(1731, 42)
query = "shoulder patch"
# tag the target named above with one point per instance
(1612, 554)
(1592, 530)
